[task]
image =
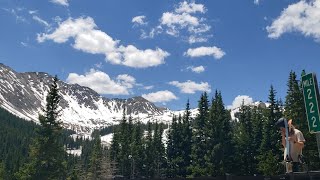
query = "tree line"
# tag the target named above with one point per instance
(211, 144)
(214, 144)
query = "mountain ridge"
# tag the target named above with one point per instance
(83, 109)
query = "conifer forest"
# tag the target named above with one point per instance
(212, 144)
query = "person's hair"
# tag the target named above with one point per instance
(291, 130)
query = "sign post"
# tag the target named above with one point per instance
(311, 95)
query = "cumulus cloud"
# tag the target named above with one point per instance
(184, 20)
(190, 87)
(302, 17)
(88, 38)
(198, 69)
(205, 51)
(160, 96)
(185, 7)
(61, 2)
(183, 17)
(237, 102)
(102, 83)
(139, 20)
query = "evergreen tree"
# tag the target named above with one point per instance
(137, 151)
(257, 123)
(171, 149)
(244, 138)
(149, 158)
(219, 157)
(199, 139)
(2, 170)
(124, 153)
(295, 110)
(95, 166)
(270, 144)
(159, 150)
(115, 146)
(186, 141)
(47, 153)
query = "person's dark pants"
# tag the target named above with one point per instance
(295, 166)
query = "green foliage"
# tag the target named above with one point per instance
(47, 155)
(15, 137)
(137, 151)
(244, 139)
(270, 143)
(219, 158)
(184, 142)
(2, 170)
(210, 145)
(295, 110)
(96, 157)
(199, 139)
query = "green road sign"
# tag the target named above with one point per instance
(310, 93)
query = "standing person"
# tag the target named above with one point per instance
(296, 142)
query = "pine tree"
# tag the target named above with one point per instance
(295, 110)
(186, 143)
(270, 144)
(171, 171)
(137, 151)
(149, 149)
(159, 150)
(95, 168)
(124, 153)
(47, 153)
(2, 170)
(243, 138)
(257, 123)
(199, 139)
(219, 157)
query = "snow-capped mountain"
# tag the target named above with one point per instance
(83, 109)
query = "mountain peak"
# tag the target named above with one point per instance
(82, 109)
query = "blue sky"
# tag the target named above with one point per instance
(166, 51)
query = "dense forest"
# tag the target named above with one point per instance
(211, 144)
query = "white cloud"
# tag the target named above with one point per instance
(205, 51)
(190, 87)
(184, 17)
(198, 69)
(194, 39)
(102, 83)
(185, 7)
(300, 17)
(172, 19)
(126, 80)
(160, 96)
(17, 14)
(134, 57)
(148, 87)
(176, 22)
(33, 12)
(184, 20)
(40, 21)
(139, 20)
(256, 2)
(89, 39)
(237, 102)
(61, 2)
